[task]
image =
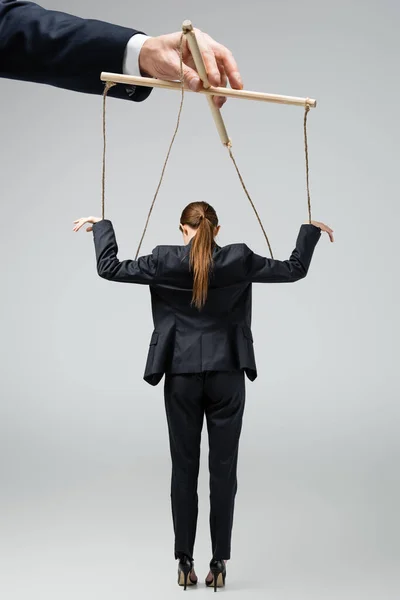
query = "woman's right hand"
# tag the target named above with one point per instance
(323, 227)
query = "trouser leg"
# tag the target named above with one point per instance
(183, 396)
(224, 396)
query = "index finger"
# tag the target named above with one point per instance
(225, 57)
(210, 61)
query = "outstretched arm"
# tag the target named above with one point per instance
(59, 49)
(143, 270)
(259, 269)
(56, 48)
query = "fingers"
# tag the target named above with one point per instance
(79, 223)
(206, 45)
(225, 58)
(329, 232)
(224, 77)
(210, 62)
(215, 55)
(220, 65)
(219, 101)
(193, 82)
(159, 57)
(77, 226)
(327, 229)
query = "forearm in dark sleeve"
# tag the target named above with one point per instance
(143, 270)
(259, 269)
(55, 48)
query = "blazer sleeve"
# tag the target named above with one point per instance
(258, 269)
(143, 270)
(59, 49)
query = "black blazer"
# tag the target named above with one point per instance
(219, 337)
(52, 47)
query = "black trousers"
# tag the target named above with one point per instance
(220, 396)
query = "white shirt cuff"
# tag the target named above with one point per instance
(131, 56)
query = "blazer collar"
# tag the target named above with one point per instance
(216, 246)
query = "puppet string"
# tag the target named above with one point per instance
(250, 200)
(170, 146)
(306, 111)
(110, 84)
(107, 86)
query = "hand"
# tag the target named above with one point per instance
(83, 220)
(159, 57)
(323, 227)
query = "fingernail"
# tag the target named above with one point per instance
(194, 84)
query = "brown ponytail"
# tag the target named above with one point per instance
(200, 216)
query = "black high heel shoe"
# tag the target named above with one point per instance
(185, 567)
(218, 569)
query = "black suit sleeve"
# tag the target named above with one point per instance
(55, 48)
(259, 269)
(143, 270)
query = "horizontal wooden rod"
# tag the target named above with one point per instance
(213, 91)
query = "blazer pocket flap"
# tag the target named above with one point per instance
(247, 333)
(154, 338)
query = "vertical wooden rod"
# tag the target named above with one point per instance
(187, 29)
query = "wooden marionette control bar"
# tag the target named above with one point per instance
(207, 89)
(211, 91)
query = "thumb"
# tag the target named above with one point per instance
(191, 78)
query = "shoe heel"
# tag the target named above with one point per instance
(185, 575)
(184, 570)
(218, 577)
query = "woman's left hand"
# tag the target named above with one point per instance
(80, 222)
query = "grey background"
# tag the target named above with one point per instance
(85, 465)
